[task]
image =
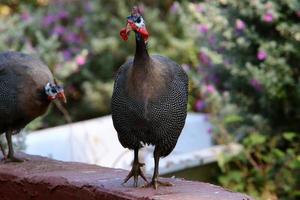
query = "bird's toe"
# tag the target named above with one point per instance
(135, 172)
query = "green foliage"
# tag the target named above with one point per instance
(268, 168)
(250, 54)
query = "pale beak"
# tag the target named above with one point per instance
(61, 96)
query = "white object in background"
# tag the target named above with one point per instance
(95, 141)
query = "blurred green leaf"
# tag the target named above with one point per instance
(289, 136)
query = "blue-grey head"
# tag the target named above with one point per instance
(54, 91)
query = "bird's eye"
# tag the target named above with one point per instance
(53, 90)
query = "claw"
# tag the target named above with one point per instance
(135, 173)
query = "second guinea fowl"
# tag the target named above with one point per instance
(149, 102)
(26, 89)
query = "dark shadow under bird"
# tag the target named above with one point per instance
(26, 89)
(149, 101)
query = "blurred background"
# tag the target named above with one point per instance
(242, 58)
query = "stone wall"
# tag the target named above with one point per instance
(42, 178)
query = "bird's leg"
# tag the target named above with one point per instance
(136, 170)
(10, 155)
(155, 182)
(3, 151)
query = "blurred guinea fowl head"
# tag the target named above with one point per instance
(54, 91)
(136, 23)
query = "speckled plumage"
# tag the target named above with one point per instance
(157, 121)
(22, 81)
(149, 106)
(149, 101)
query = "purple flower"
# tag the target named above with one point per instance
(58, 30)
(67, 55)
(79, 22)
(240, 25)
(199, 105)
(204, 58)
(215, 79)
(256, 85)
(209, 130)
(268, 17)
(63, 14)
(25, 16)
(261, 55)
(88, 7)
(203, 28)
(71, 37)
(175, 7)
(48, 20)
(212, 39)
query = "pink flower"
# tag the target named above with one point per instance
(204, 58)
(203, 28)
(200, 8)
(240, 25)
(268, 17)
(80, 60)
(298, 13)
(210, 88)
(261, 55)
(25, 16)
(256, 85)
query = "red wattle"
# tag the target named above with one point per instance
(123, 34)
(144, 33)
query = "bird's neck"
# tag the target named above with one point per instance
(141, 57)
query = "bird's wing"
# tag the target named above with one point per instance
(121, 73)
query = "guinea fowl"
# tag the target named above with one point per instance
(149, 101)
(26, 89)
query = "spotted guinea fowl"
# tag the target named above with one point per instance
(149, 101)
(26, 89)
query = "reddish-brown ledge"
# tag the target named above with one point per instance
(43, 178)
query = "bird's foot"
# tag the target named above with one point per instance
(156, 183)
(135, 172)
(13, 159)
